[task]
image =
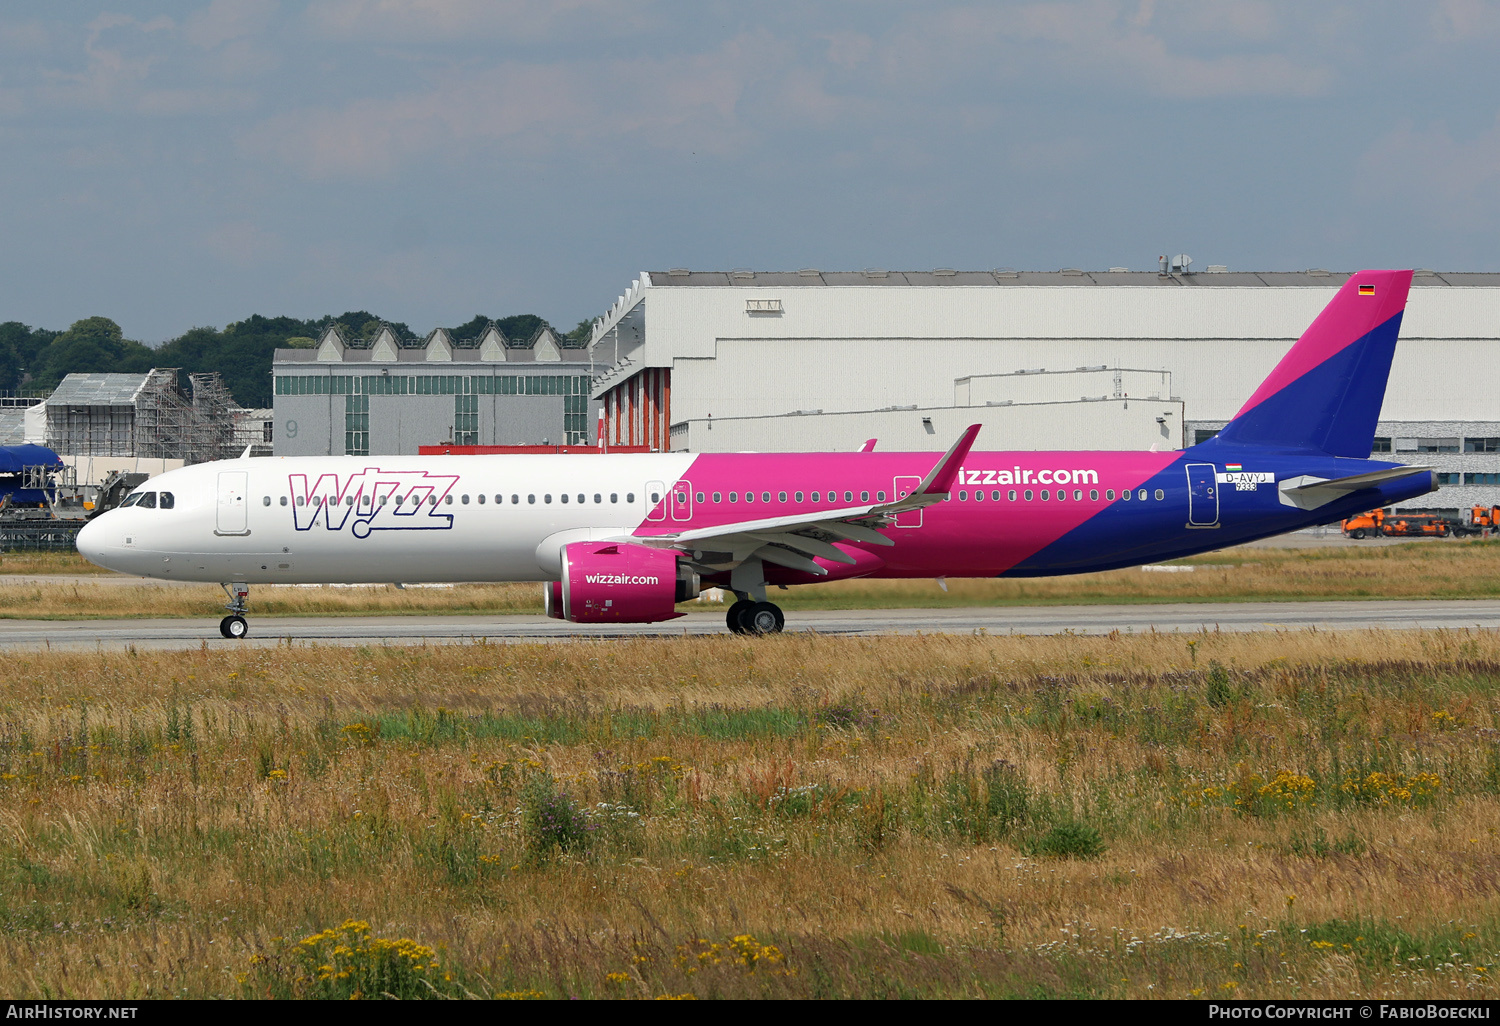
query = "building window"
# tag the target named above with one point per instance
(1448, 479)
(1437, 445)
(1203, 434)
(1482, 445)
(1380, 445)
(466, 420)
(1482, 479)
(357, 425)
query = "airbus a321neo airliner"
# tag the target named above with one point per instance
(623, 538)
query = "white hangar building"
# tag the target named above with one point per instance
(821, 361)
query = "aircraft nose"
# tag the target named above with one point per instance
(90, 543)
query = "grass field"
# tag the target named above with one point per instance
(1289, 815)
(1416, 570)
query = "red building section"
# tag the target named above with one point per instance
(638, 411)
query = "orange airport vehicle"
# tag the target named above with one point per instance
(1379, 523)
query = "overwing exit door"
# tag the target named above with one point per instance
(902, 487)
(682, 500)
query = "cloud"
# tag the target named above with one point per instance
(224, 20)
(1106, 44)
(1456, 180)
(680, 103)
(446, 20)
(242, 243)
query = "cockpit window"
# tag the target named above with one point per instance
(148, 500)
(131, 499)
(167, 500)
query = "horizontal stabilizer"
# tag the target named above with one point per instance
(1312, 492)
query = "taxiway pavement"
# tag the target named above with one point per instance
(449, 629)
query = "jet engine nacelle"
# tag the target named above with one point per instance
(617, 582)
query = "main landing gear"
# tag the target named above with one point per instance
(747, 617)
(234, 625)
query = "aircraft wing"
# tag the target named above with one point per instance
(794, 541)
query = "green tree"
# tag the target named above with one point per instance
(520, 327)
(94, 345)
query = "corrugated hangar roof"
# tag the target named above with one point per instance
(1067, 277)
(98, 390)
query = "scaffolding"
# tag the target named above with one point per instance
(148, 416)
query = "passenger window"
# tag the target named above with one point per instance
(781, 496)
(614, 496)
(1011, 495)
(349, 500)
(515, 500)
(1110, 494)
(718, 496)
(302, 500)
(734, 496)
(963, 496)
(148, 500)
(266, 501)
(655, 498)
(1160, 495)
(598, 499)
(531, 499)
(580, 498)
(630, 497)
(864, 496)
(1078, 495)
(799, 496)
(547, 497)
(564, 497)
(1142, 496)
(848, 496)
(749, 496)
(448, 500)
(765, 496)
(481, 500)
(978, 495)
(1125, 495)
(815, 497)
(364, 500)
(880, 496)
(1028, 495)
(996, 495)
(1045, 495)
(283, 500)
(464, 500)
(1062, 495)
(1093, 495)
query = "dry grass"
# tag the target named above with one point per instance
(884, 817)
(69, 562)
(88, 600)
(1415, 570)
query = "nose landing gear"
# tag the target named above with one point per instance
(234, 625)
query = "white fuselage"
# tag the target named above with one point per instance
(378, 518)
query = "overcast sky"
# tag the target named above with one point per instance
(171, 164)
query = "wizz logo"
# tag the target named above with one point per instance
(373, 500)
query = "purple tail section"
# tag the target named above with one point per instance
(1325, 394)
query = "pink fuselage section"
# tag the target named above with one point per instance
(960, 537)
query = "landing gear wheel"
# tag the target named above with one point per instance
(234, 627)
(732, 616)
(763, 618)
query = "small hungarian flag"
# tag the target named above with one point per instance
(1232, 467)
(1367, 290)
